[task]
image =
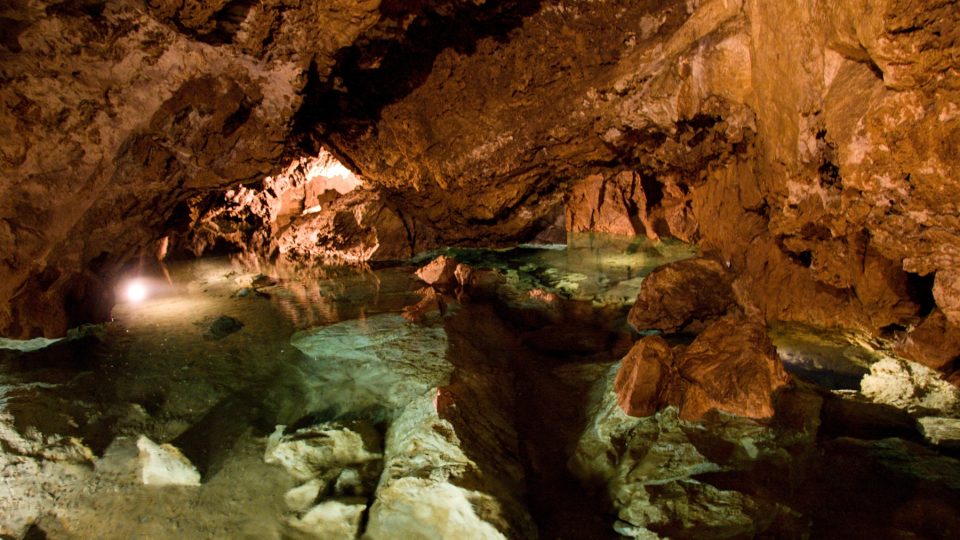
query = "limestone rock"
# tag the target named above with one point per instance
(164, 465)
(910, 386)
(319, 451)
(650, 466)
(354, 228)
(615, 205)
(303, 496)
(645, 374)
(731, 366)
(421, 508)
(380, 361)
(935, 342)
(678, 293)
(333, 520)
(440, 272)
(944, 432)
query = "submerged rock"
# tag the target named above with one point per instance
(164, 465)
(681, 292)
(222, 327)
(652, 468)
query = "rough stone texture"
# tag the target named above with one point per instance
(615, 205)
(357, 227)
(808, 143)
(935, 343)
(440, 272)
(644, 375)
(910, 386)
(652, 468)
(731, 367)
(679, 293)
(164, 465)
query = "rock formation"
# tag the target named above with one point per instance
(809, 145)
(731, 367)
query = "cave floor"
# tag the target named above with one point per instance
(328, 344)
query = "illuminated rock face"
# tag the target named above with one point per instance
(809, 145)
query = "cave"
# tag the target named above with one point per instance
(479, 269)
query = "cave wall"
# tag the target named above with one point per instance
(811, 145)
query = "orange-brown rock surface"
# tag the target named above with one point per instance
(680, 293)
(809, 145)
(731, 367)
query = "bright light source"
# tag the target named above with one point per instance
(136, 291)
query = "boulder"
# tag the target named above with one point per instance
(681, 292)
(731, 366)
(320, 451)
(910, 386)
(164, 465)
(943, 432)
(440, 272)
(222, 327)
(935, 342)
(331, 520)
(646, 371)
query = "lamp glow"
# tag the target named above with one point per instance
(136, 291)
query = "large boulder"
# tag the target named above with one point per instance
(732, 366)
(679, 293)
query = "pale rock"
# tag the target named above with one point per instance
(317, 450)
(650, 465)
(348, 482)
(165, 465)
(911, 386)
(422, 509)
(378, 361)
(941, 431)
(302, 497)
(331, 520)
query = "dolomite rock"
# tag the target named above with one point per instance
(650, 466)
(320, 451)
(731, 366)
(941, 431)
(303, 496)
(419, 508)
(809, 144)
(935, 342)
(331, 520)
(164, 465)
(354, 228)
(615, 205)
(910, 386)
(440, 272)
(679, 293)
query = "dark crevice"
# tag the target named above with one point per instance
(652, 190)
(351, 99)
(920, 291)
